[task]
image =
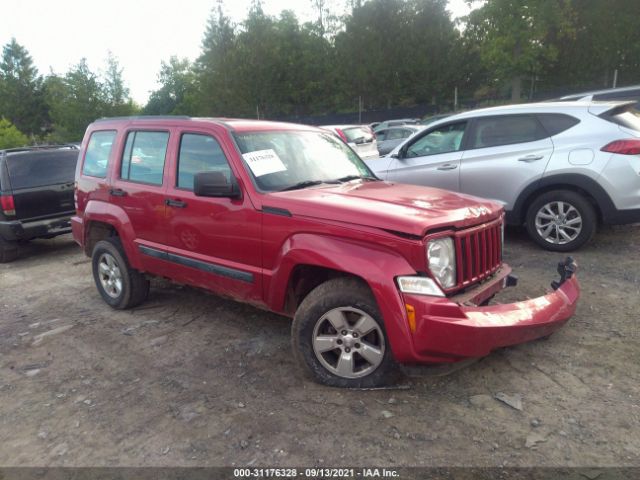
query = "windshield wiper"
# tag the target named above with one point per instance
(348, 178)
(305, 184)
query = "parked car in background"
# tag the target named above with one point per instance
(390, 138)
(434, 118)
(288, 218)
(608, 94)
(396, 123)
(559, 168)
(36, 195)
(359, 137)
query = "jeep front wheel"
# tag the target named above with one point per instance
(339, 337)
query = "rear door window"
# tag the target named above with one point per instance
(200, 153)
(144, 157)
(98, 152)
(506, 130)
(41, 168)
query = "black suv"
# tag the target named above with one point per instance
(36, 194)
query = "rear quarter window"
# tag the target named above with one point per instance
(555, 123)
(628, 117)
(41, 168)
(98, 152)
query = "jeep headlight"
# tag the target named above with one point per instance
(441, 255)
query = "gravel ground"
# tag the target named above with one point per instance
(190, 379)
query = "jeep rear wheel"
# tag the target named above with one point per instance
(119, 285)
(339, 337)
(561, 221)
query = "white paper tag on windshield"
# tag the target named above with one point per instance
(264, 162)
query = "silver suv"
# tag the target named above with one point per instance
(558, 168)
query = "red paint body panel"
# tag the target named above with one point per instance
(374, 230)
(451, 331)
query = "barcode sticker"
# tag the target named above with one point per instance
(264, 162)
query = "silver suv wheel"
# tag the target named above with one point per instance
(348, 342)
(558, 222)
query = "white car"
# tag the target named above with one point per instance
(559, 168)
(359, 137)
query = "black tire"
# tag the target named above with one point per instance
(355, 298)
(8, 251)
(581, 207)
(134, 286)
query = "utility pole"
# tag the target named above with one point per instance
(455, 99)
(615, 78)
(360, 109)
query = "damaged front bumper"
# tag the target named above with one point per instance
(450, 329)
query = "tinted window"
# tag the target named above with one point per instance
(441, 140)
(506, 130)
(555, 123)
(98, 152)
(143, 158)
(396, 133)
(200, 153)
(37, 169)
(381, 135)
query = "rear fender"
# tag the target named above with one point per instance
(97, 211)
(376, 266)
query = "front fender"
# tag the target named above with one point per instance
(97, 211)
(375, 265)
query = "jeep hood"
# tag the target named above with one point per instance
(407, 209)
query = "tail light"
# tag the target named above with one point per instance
(8, 206)
(342, 135)
(623, 147)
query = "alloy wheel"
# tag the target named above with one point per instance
(348, 342)
(558, 222)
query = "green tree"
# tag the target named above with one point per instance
(519, 39)
(215, 66)
(10, 136)
(75, 100)
(177, 89)
(21, 94)
(115, 92)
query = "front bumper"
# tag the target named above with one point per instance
(450, 329)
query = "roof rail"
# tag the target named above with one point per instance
(40, 147)
(145, 117)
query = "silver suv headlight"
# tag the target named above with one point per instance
(441, 254)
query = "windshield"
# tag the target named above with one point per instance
(283, 160)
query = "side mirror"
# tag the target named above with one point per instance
(215, 184)
(359, 141)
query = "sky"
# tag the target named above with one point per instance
(139, 33)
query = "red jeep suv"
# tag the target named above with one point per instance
(288, 218)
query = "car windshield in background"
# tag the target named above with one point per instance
(358, 133)
(297, 159)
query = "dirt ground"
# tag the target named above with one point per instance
(191, 379)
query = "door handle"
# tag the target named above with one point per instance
(117, 192)
(175, 203)
(447, 166)
(531, 158)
